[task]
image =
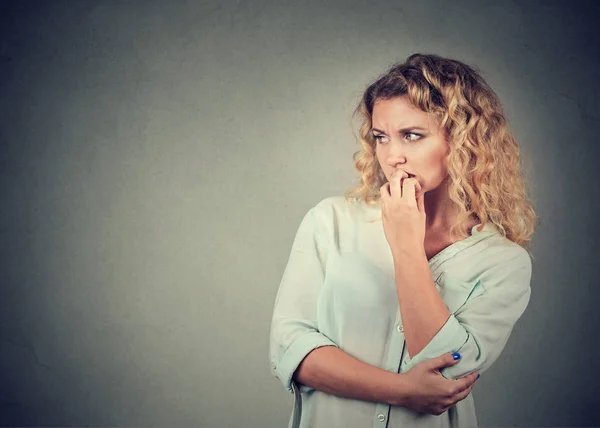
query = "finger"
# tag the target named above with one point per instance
(408, 189)
(420, 197)
(461, 387)
(384, 191)
(418, 188)
(396, 182)
(421, 202)
(474, 376)
(440, 411)
(443, 360)
(462, 394)
(465, 382)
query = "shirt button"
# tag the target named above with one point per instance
(381, 417)
(400, 328)
(273, 365)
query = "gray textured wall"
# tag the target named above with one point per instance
(156, 159)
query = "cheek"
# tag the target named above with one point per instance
(379, 155)
(436, 170)
(439, 163)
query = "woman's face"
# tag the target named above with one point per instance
(409, 139)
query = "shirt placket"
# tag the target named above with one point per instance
(395, 358)
(392, 364)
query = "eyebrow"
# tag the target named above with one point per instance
(401, 131)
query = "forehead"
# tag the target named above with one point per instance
(399, 112)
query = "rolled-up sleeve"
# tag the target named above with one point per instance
(482, 316)
(294, 328)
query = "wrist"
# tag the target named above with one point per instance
(398, 391)
(403, 254)
(409, 257)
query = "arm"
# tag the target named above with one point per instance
(477, 325)
(421, 306)
(482, 313)
(333, 371)
(294, 329)
(300, 352)
(421, 389)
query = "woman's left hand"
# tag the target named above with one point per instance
(403, 214)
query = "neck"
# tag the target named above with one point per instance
(439, 209)
(442, 215)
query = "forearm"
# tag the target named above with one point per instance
(331, 370)
(422, 309)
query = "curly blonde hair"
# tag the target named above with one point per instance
(485, 179)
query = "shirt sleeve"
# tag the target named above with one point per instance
(294, 327)
(482, 316)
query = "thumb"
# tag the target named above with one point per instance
(444, 360)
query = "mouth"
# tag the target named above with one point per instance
(398, 171)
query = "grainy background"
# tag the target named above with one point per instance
(156, 159)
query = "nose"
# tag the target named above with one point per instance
(395, 155)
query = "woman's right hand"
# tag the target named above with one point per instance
(429, 391)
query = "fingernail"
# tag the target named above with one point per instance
(455, 355)
(477, 376)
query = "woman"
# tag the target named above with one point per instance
(396, 296)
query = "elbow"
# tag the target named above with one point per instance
(473, 357)
(289, 347)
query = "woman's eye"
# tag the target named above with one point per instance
(412, 136)
(409, 136)
(380, 138)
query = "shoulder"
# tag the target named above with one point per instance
(340, 209)
(339, 218)
(332, 204)
(505, 252)
(502, 261)
(493, 260)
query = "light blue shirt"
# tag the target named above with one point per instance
(338, 289)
